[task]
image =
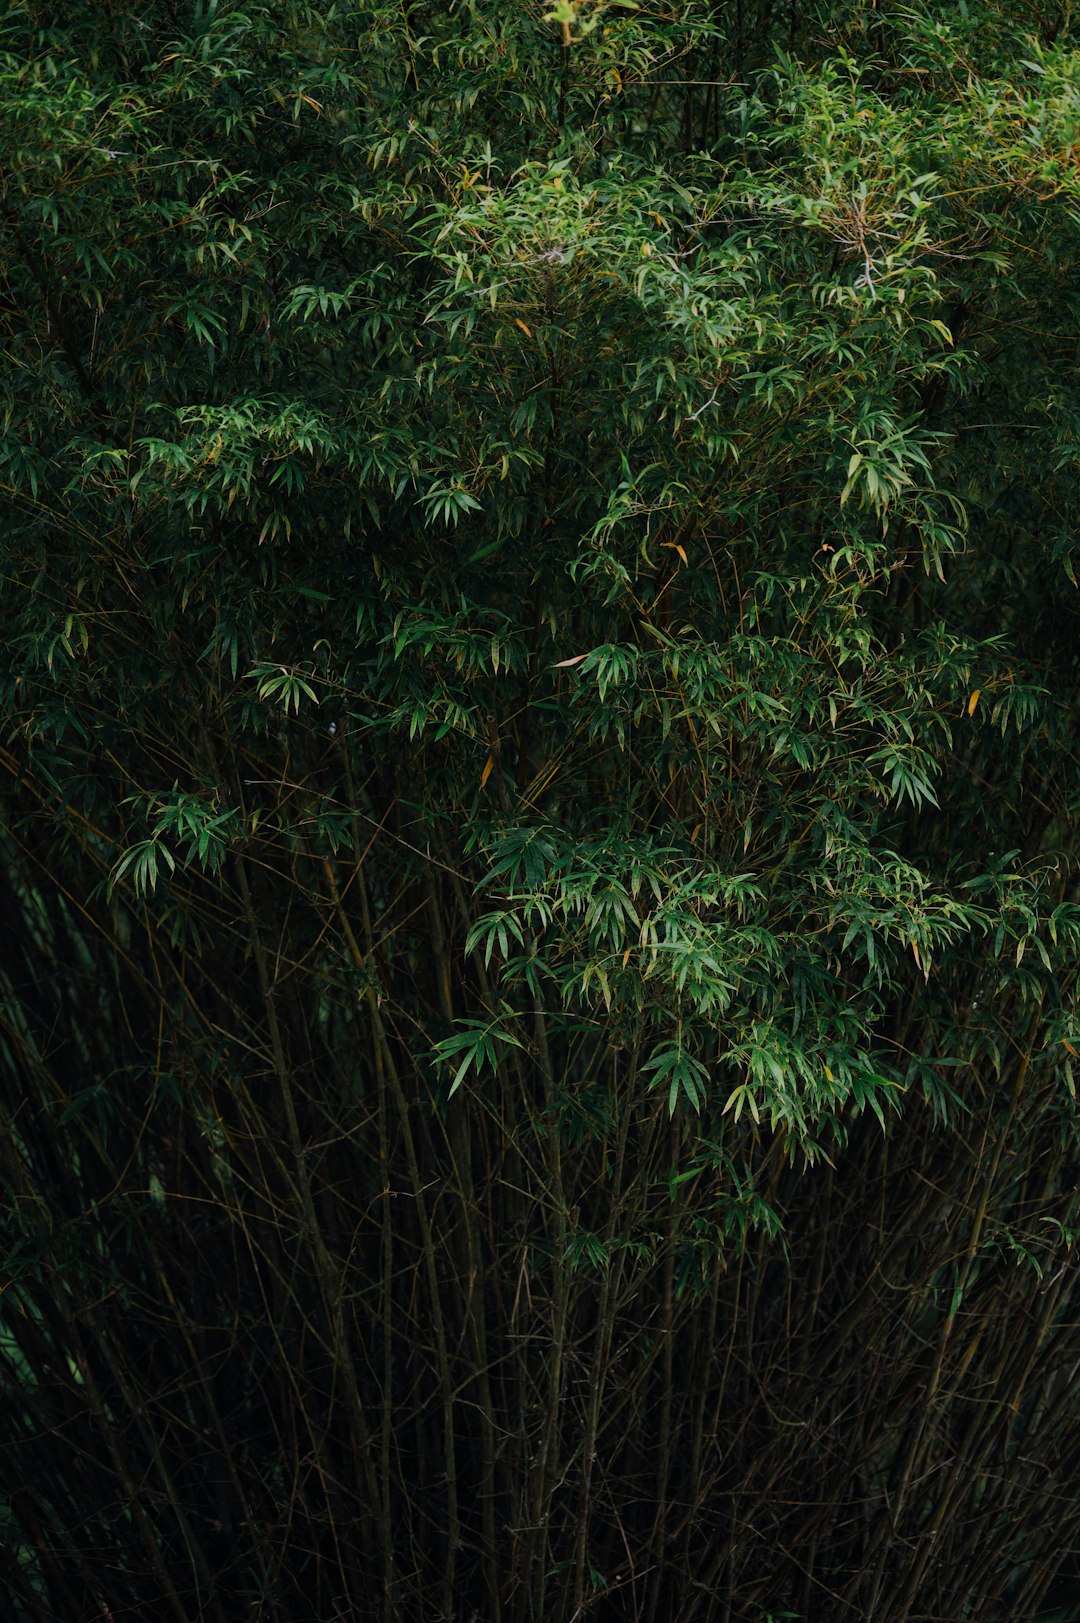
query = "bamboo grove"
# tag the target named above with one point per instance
(538, 812)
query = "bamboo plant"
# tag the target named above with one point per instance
(538, 818)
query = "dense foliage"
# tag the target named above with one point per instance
(538, 823)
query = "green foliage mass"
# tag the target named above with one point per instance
(539, 809)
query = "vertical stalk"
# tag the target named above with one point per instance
(389, 1067)
(667, 1394)
(546, 1465)
(330, 1287)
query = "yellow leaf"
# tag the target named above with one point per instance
(973, 701)
(829, 1074)
(518, 322)
(626, 960)
(317, 105)
(486, 773)
(1070, 1047)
